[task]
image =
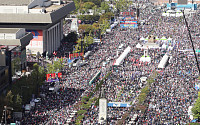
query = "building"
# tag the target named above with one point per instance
(13, 42)
(160, 2)
(4, 77)
(177, 6)
(44, 18)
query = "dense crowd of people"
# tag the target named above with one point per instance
(170, 95)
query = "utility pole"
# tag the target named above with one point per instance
(186, 23)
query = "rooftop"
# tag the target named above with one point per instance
(9, 30)
(7, 47)
(15, 2)
(54, 7)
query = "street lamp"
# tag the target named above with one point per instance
(5, 110)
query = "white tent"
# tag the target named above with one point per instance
(169, 39)
(142, 38)
(164, 46)
(157, 38)
(170, 48)
(163, 61)
(138, 46)
(122, 56)
(145, 59)
(108, 30)
(143, 79)
(163, 38)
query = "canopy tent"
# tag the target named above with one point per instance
(157, 38)
(164, 46)
(122, 56)
(143, 79)
(169, 39)
(145, 59)
(170, 48)
(108, 30)
(112, 26)
(87, 54)
(142, 38)
(163, 38)
(138, 46)
(118, 105)
(92, 80)
(163, 61)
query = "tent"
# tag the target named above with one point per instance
(122, 56)
(163, 61)
(118, 105)
(138, 46)
(164, 46)
(163, 38)
(169, 39)
(157, 38)
(145, 59)
(142, 38)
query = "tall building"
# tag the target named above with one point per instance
(43, 18)
(13, 42)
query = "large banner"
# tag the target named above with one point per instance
(36, 44)
(128, 24)
(74, 55)
(51, 77)
(37, 40)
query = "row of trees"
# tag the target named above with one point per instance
(142, 104)
(57, 66)
(196, 108)
(20, 92)
(86, 101)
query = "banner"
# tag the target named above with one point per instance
(53, 76)
(74, 55)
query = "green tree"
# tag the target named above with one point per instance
(16, 65)
(105, 25)
(88, 5)
(18, 103)
(105, 6)
(9, 98)
(196, 109)
(50, 68)
(122, 5)
(105, 16)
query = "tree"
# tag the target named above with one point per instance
(105, 6)
(196, 109)
(9, 98)
(50, 68)
(57, 66)
(18, 103)
(16, 65)
(122, 5)
(105, 25)
(88, 5)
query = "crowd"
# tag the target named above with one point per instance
(170, 95)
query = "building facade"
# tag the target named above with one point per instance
(43, 18)
(160, 2)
